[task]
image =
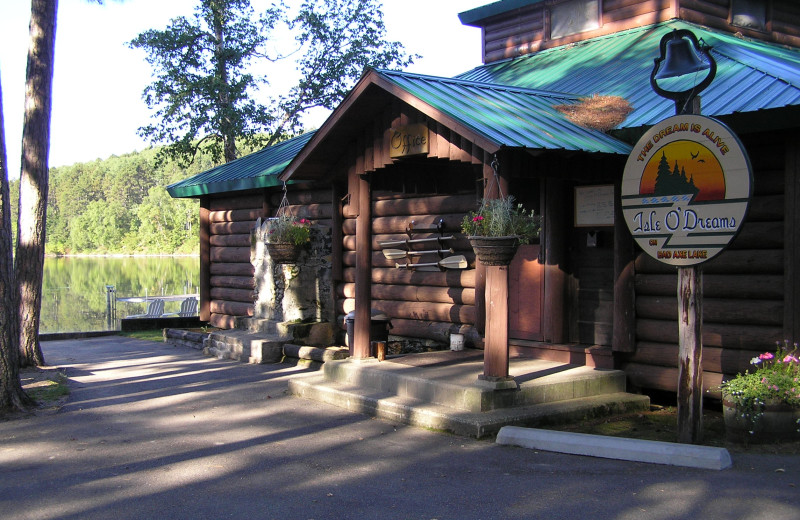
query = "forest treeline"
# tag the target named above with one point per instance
(120, 205)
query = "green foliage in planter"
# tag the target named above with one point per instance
(502, 217)
(775, 381)
(288, 229)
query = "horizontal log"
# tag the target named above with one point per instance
(236, 202)
(230, 254)
(450, 278)
(666, 378)
(730, 261)
(725, 361)
(729, 336)
(235, 282)
(233, 295)
(761, 286)
(445, 312)
(301, 197)
(222, 321)
(458, 243)
(414, 293)
(766, 208)
(311, 211)
(235, 215)
(715, 310)
(234, 269)
(240, 240)
(759, 235)
(720, 12)
(231, 308)
(437, 331)
(378, 260)
(388, 225)
(425, 206)
(232, 228)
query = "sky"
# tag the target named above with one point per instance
(98, 81)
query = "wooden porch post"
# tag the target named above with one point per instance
(204, 287)
(363, 278)
(495, 354)
(495, 348)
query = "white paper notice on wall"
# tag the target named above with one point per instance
(594, 205)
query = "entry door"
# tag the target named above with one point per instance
(525, 292)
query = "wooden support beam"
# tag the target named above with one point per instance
(555, 256)
(495, 354)
(791, 252)
(363, 317)
(624, 330)
(204, 287)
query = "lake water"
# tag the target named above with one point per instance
(75, 298)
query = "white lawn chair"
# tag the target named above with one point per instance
(188, 308)
(154, 309)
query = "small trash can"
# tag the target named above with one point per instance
(379, 327)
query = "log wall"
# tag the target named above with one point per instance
(743, 290)
(231, 218)
(231, 275)
(527, 30)
(428, 303)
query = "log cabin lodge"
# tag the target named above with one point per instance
(585, 293)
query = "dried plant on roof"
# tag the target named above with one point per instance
(597, 112)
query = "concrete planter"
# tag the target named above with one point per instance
(494, 250)
(777, 422)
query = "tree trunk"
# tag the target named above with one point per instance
(11, 395)
(33, 187)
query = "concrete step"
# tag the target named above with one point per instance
(245, 346)
(418, 412)
(455, 383)
(315, 334)
(321, 354)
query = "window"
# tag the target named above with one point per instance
(574, 16)
(750, 14)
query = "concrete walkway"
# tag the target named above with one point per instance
(155, 431)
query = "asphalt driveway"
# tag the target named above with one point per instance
(156, 431)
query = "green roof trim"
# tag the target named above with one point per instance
(257, 170)
(483, 12)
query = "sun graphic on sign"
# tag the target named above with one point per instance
(683, 168)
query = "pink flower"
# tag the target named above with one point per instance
(790, 359)
(477, 218)
(766, 355)
(775, 387)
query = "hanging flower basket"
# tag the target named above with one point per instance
(497, 228)
(494, 251)
(283, 252)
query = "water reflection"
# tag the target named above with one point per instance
(75, 298)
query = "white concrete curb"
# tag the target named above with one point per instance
(637, 450)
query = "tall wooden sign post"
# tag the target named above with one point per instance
(685, 192)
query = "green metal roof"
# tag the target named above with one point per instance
(751, 75)
(257, 170)
(507, 116)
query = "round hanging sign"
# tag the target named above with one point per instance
(686, 189)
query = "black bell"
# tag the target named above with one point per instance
(680, 59)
